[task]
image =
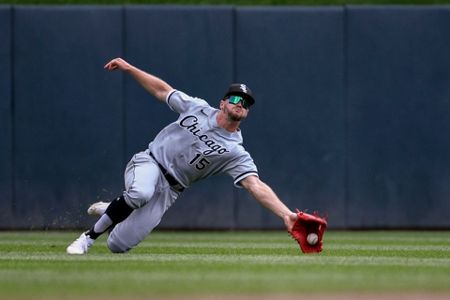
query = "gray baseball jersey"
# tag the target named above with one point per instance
(190, 149)
(195, 147)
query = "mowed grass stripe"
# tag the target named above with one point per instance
(244, 236)
(228, 249)
(271, 237)
(229, 275)
(261, 237)
(249, 245)
(140, 277)
(237, 259)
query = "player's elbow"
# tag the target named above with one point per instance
(162, 90)
(253, 185)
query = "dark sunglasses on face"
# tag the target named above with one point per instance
(236, 99)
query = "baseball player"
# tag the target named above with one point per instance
(202, 142)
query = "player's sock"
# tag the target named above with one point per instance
(100, 227)
(118, 210)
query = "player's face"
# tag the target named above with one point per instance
(234, 112)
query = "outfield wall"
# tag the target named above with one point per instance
(352, 113)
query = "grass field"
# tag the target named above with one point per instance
(33, 265)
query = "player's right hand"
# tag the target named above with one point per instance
(117, 63)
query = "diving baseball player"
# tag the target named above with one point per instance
(202, 142)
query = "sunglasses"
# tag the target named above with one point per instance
(236, 99)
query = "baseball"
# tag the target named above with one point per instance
(312, 239)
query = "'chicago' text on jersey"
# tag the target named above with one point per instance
(190, 123)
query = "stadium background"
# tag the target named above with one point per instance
(352, 114)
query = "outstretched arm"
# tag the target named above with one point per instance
(266, 196)
(154, 85)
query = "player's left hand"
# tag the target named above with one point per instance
(289, 221)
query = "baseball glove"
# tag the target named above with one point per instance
(306, 224)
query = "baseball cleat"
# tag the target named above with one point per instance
(98, 208)
(81, 245)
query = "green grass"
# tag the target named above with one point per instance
(34, 265)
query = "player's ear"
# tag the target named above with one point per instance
(222, 103)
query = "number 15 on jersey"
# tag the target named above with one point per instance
(199, 162)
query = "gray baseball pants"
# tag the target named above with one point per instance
(149, 193)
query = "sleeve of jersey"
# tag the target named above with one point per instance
(182, 103)
(242, 168)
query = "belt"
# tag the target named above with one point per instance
(170, 179)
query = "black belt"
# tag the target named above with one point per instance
(170, 179)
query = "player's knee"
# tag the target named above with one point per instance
(141, 196)
(116, 247)
(146, 194)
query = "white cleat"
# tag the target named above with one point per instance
(98, 208)
(81, 245)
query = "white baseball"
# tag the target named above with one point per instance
(312, 239)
